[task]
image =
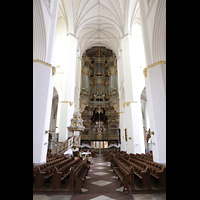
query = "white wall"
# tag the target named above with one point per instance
(156, 95)
(67, 80)
(44, 23)
(153, 21)
(42, 100)
(132, 62)
(153, 18)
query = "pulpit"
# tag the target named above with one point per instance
(75, 128)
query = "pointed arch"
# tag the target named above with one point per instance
(159, 33)
(39, 35)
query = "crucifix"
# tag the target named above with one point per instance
(149, 133)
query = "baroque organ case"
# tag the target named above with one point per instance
(99, 98)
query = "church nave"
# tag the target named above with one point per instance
(101, 184)
(99, 99)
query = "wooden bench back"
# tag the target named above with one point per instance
(80, 167)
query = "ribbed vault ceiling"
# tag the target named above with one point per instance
(98, 22)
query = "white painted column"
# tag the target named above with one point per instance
(121, 110)
(121, 101)
(128, 93)
(66, 104)
(65, 111)
(135, 136)
(127, 68)
(77, 81)
(71, 68)
(44, 26)
(42, 102)
(156, 96)
(133, 114)
(122, 135)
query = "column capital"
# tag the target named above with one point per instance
(70, 102)
(152, 65)
(42, 62)
(47, 64)
(128, 102)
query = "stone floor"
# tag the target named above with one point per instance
(101, 184)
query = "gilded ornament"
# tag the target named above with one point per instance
(152, 65)
(128, 102)
(53, 70)
(47, 64)
(70, 102)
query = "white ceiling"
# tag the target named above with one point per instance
(98, 22)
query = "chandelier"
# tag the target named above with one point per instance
(99, 127)
(99, 124)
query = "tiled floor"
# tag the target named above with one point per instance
(101, 197)
(101, 184)
(100, 173)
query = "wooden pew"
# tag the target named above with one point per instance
(39, 177)
(52, 158)
(93, 153)
(141, 171)
(160, 174)
(129, 169)
(122, 174)
(48, 164)
(156, 170)
(47, 172)
(78, 174)
(62, 173)
(107, 155)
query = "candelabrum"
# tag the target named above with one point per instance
(99, 124)
(99, 128)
